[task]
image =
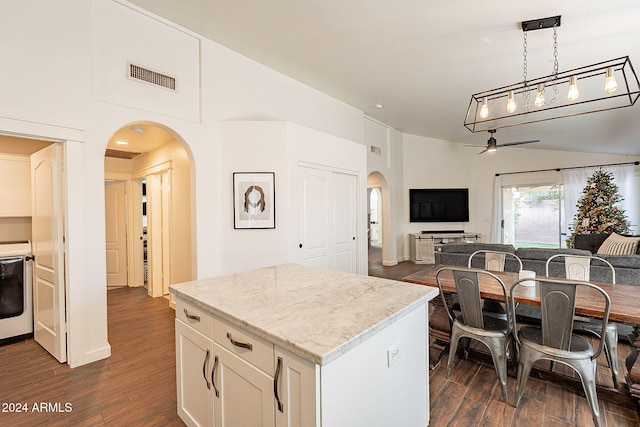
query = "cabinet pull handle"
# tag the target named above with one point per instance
(213, 376)
(246, 345)
(204, 369)
(276, 380)
(191, 316)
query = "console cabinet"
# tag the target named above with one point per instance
(423, 246)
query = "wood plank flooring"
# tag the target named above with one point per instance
(136, 385)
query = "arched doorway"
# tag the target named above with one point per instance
(379, 211)
(148, 208)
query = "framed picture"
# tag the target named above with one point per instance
(254, 200)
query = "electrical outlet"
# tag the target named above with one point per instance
(393, 354)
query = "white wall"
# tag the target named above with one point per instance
(51, 54)
(279, 147)
(433, 163)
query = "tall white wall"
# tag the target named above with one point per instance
(54, 56)
(433, 163)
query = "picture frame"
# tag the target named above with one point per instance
(254, 196)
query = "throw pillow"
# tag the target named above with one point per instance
(619, 245)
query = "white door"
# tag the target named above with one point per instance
(327, 219)
(116, 233)
(48, 249)
(344, 222)
(159, 232)
(315, 221)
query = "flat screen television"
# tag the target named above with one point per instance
(439, 204)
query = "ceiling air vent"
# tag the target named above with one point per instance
(146, 75)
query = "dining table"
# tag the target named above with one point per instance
(624, 308)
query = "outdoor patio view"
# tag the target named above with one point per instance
(533, 216)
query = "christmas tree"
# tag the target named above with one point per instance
(597, 208)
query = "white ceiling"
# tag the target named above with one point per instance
(422, 59)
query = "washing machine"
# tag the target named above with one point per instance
(16, 290)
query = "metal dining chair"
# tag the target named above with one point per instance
(494, 261)
(577, 267)
(554, 340)
(472, 323)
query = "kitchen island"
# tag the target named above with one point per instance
(293, 345)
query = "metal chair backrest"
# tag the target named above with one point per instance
(558, 301)
(578, 267)
(467, 282)
(494, 260)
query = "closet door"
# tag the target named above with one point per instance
(327, 219)
(49, 313)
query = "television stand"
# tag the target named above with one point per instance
(423, 246)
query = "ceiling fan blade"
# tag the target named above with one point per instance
(483, 151)
(518, 143)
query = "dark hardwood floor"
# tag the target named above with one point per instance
(136, 385)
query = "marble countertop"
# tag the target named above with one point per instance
(315, 313)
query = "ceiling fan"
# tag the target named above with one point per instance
(492, 143)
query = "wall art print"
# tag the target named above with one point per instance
(254, 200)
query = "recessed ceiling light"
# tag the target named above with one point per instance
(378, 106)
(122, 143)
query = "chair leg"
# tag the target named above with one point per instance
(498, 350)
(526, 359)
(466, 345)
(587, 371)
(453, 347)
(611, 351)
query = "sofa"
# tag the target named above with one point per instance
(627, 267)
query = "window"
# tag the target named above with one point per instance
(533, 215)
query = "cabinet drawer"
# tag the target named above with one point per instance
(194, 316)
(244, 344)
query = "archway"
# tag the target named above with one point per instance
(378, 187)
(149, 193)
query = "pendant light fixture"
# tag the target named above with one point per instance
(610, 84)
(573, 93)
(484, 110)
(481, 117)
(511, 102)
(539, 102)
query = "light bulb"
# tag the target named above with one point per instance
(610, 84)
(484, 110)
(511, 102)
(539, 102)
(573, 93)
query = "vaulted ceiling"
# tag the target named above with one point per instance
(423, 59)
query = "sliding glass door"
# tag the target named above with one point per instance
(533, 215)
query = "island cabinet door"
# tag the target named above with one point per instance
(194, 363)
(295, 390)
(243, 393)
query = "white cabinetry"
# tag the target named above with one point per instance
(298, 346)
(15, 185)
(244, 395)
(234, 378)
(194, 362)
